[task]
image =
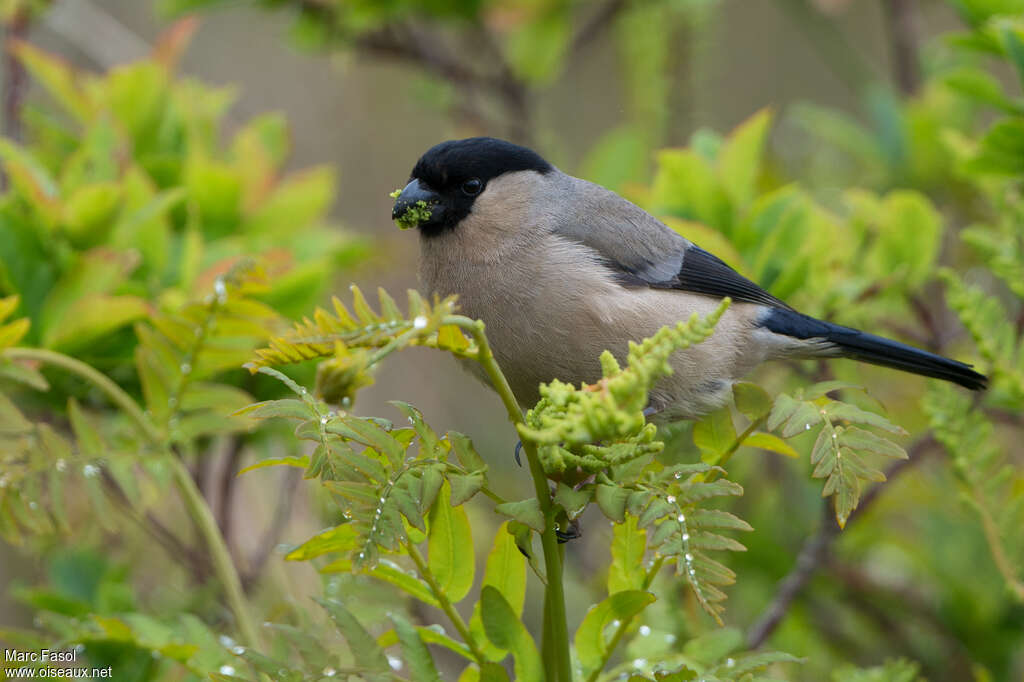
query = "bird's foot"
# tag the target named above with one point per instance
(571, 533)
(519, 446)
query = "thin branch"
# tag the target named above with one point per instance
(15, 78)
(226, 487)
(815, 550)
(175, 547)
(902, 29)
(282, 515)
(841, 56)
(597, 24)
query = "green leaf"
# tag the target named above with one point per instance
(287, 408)
(854, 414)
(93, 273)
(507, 632)
(714, 434)
(612, 500)
(861, 440)
(56, 76)
(525, 511)
(1001, 150)
(629, 543)
(301, 199)
(590, 642)
(772, 443)
(94, 317)
(298, 462)
(20, 373)
(450, 547)
(414, 651)
(908, 238)
(88, 438)
(505, 572)
(12, 421)
(792, 416)
(465, 452)
(363, 647)
(90, 212)
(341, 538)
(752, 401)
(573, 501)
(739, 161)
(1011, 36)
(465, 486)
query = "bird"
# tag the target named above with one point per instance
(560, 269)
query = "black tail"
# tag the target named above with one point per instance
(851, 343)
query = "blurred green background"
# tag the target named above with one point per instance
(912, 578)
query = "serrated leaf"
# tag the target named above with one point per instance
(590, 641)
(450, 547)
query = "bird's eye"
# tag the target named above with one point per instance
(472, 187)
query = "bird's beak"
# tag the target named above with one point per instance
(416, 206)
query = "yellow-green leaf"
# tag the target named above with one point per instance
(450, 547)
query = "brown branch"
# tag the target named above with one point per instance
(902, 28)
(597, 24)
(175, 547)
(865, 589)
(816, 548)
(15, 80)
(226, 487)
(282, 514)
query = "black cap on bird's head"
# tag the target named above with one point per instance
(447, 179)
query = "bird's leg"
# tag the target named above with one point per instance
(650, 411)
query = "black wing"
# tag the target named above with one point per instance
(643, 251)
(705, 273)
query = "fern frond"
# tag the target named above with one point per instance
(993, 485)
(666, 503)
(842, 451)
(382, 489)
(365, 328)
(993, 333)
(593, 427)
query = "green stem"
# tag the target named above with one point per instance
(735, 445)
(556, 632)
(624, 624)
(196, 506)
(446, 604)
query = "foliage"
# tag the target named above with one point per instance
(143, 262)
